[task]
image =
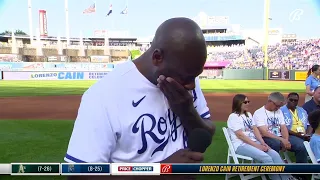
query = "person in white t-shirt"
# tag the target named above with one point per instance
(246, 138)
(270, 122)
(143, 110)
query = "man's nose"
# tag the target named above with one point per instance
(190, 86)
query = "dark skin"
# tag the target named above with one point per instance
(174, 60)
(292, 103)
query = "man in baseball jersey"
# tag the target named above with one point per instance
(143, 110)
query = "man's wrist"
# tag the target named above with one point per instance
(190, 112)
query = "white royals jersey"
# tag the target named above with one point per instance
(124, 118)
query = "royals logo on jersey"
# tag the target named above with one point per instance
(167, 128)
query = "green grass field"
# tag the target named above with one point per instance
(46, 141)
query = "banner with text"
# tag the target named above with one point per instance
(63, 75)
(300, 75)
(44, 66)
(279, 74)
(156, 169)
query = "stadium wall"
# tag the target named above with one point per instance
(261, 74)
(243, 74)
(298, 75)
(53, 75)
(85, 71)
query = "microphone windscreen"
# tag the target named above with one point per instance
(199, 140)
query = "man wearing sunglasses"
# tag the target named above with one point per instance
(296, 119)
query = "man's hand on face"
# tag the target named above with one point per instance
(179, 98)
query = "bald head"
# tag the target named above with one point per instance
(179, 35)
(179, 50)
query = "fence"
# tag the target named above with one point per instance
(57, 75)
(87, 71)
(255, 74)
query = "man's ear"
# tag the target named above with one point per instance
(157, 57)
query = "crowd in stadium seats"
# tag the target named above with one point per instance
(298, 55)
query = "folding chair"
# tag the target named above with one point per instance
(235, 157)
(312, 158)
(286, 157)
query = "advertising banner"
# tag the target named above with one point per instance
(63, 75)
(279, 74)
(35, 66)
(100, 59)
(43, 23)
(300, 75)
(223, 38)
(213, 64)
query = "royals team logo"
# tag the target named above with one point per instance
(161, 131)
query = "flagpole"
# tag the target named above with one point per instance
(112, 18)
(127, 19)
(266, 35)
(67, 21)
(30, 22)
(95, 16)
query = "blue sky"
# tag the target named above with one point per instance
(144, 16)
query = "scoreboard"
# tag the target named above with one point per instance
(107, 169)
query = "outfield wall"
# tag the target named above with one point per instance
(262, 74)
(228, 74)
(87, 71)
(54, 75)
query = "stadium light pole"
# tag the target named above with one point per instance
(30, 22)
(67, 21)
(266, 34)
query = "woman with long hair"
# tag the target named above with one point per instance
(312, 81)
(246, 138)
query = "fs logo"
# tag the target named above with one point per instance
(295, 15)
(166, 168)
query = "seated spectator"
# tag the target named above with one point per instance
(270, 122)
(314, 103)
(314, 119)
(246, 138)
(296, 119)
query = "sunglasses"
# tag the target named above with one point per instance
(246, 102)
(293, 100)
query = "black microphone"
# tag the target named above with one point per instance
(199, 140)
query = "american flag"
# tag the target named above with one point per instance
(91, 9)
(125, 11)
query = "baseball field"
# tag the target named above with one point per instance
(36, 117)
